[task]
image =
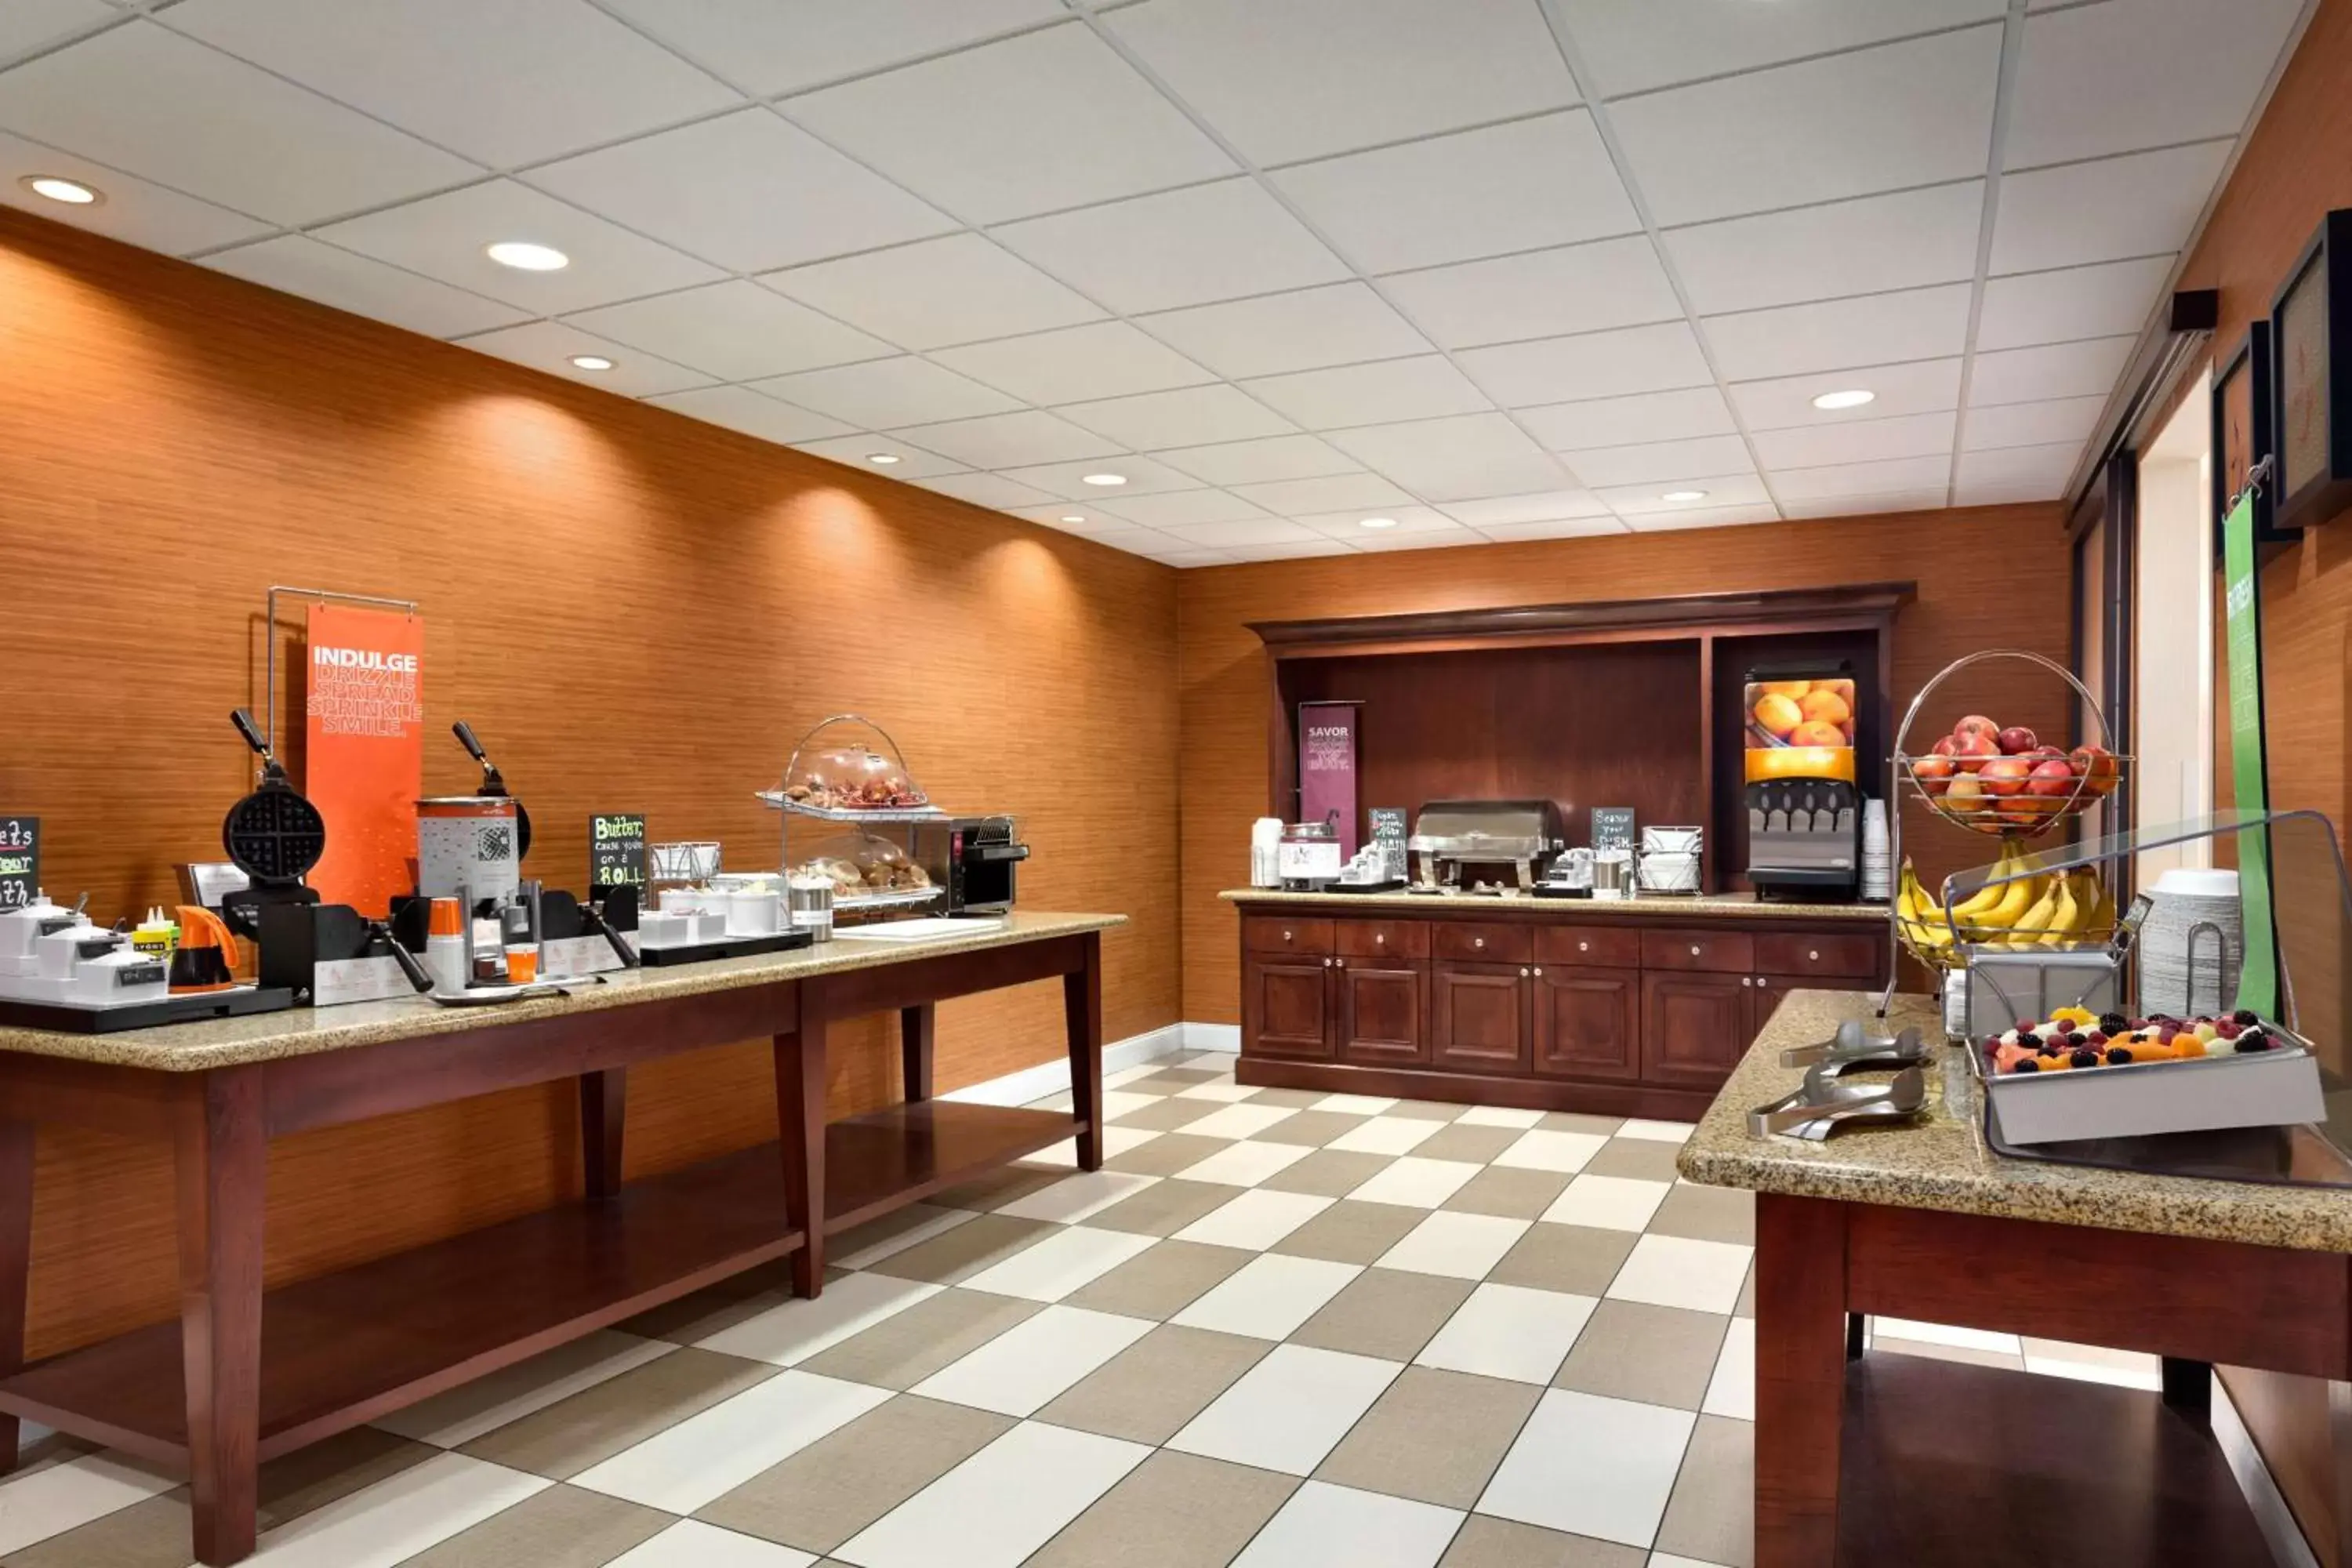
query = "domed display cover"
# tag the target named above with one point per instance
(849, 763)
(865, 868)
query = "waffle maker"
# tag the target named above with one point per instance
(495, 784)
(274, 835)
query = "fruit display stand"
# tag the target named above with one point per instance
(2002, 783)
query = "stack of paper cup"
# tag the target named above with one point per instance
(1878, 870)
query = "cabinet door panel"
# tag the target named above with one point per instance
(1588, 1022)
(1694, 1028)
(1383, 1012)
(1478, 1017)
(1285, 1007)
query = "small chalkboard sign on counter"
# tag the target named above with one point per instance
(20, 861)
(1612, 828)
(617, 850)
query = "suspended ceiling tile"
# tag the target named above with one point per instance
(1595, 364)
(1246, 530)
(1868, 246)
(1874, 328)
(1784, 403)
(858, 451)
(1335, 492)
(549, 345)
(2015, 474)
(2144, 205)
(29, 25)
(1451, 536)
(134, 211)
(1107, 359)
(2054, 369)
(1191, 246)
(933, 294)
(1857, 441)
(1662, 462)
(2106, 300)
(1666, 521)
(986, 490)
(886, 394)
(1927, 499)
(1288, 552)
(736, 331)
(1558, 528)
(1008, 440)
(296, 264)
(1541, 509)
(1656, 43)
(1068, 480)
(1183, 507)
(770, 48)
(1631, 420)
(1461, 458)
(1261, 462)
(1420, 388)
(1717, 493)
(2064, 421)
(1879, 478)
(748, 414)
(1188, 417)
(1396, 521)
(1544, 293)
(1343, 323)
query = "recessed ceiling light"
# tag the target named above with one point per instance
(73, 193)
(882, 460)
(1105, 479)
(525, 257)
(1377, 523)
(591, 361)
(1683, 495)
(1073, 516)
(1852, 398)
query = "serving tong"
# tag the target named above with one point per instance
(1825, 1102)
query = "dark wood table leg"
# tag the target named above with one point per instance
(1857, 1335)
(15, 1261)
(1801, 1368)
(2188, 1387)
(918, 1027)
(1081, 1009)
(799, 1121)
(603, 1114)
(221, 1149)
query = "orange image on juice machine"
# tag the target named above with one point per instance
(1804, 809)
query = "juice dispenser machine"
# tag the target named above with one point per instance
(1804, 809)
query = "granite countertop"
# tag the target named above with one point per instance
(304, 1031)
(1702, 906)
(1943, 1162)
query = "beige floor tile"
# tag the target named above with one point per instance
(1149, 1390)
(1287, 1099)
(1713, 1515)
(889, 1228)
(1166, 1154)
(1476, 1144)
(1707, 1214)
(595, 1423)
(1656, 1355)
(1168, 1079)
(1571, 1122)
(959, 1254)
(1425, 1110)
(150, 1534)
(563, 1527)
(1173, 1510)
(1162, 1282)
(846, 1481)
(1505, 1190)
(1312, 1128)
(1384, 1312)
(1578, 1259)
(1328, 1173)
(1165, 1114)
(1164, 1207)
(1636, 1159)
(1433, 1437)
(1745, 1307)
(1969, 1354)
(1483, 1542)
(907, 1347)
(999, 1187)
(1350, 1232)
(721, 1305)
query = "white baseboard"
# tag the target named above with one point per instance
(1226, 1037)
(2276, 1521)
(1032, 1084)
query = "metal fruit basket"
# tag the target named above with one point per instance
(2009, 806)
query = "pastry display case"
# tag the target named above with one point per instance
(847, 774)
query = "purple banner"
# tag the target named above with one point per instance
(1327, 768)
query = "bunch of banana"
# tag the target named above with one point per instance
(2066, 911)
(1999, 906)
(2012, 910)
(1916, 913)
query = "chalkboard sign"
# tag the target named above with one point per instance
(20, 861)
(1387, 832)
(1612, 828)
(617, 850)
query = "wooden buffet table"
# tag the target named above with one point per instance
(1872, 1460)
(246, 1375)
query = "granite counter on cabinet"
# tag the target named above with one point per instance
(1698, 906)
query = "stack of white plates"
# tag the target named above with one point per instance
(2183, 901)
(1878, 867)
(1668, 872)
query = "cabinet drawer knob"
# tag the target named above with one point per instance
(1761, 983)
(1523, 974)
(1477, 941)
(1694, 950)
(1745, 982)
(1379, 939)
(1338, 963)
(1813, 955)
(1539, 972)
(1585, 947)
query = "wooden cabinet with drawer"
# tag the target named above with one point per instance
(1280, 933)
(1612, 947)
(1825, 956)
(1722, 951)
(1478, 1018)
(1481, 941)
(1382, 1012)
(1382, 939)
(1588, 1022)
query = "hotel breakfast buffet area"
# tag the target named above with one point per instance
(1169, 783)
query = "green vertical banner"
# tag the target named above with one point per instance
(2258, 985)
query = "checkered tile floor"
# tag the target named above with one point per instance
(1278, 1329)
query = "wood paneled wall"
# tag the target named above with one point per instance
(1988, 577)
(635, 610)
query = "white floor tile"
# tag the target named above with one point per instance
(1124, 1075)
(1353, 1104)
(1658, 1131)
(1498, 1116)
(690, 1544)
(1118, 1140)
(1116, 1103)
(1667, 1560)
(708, 1455)
(1058, 1265)
(791, 1334)
(68, 1495)
(1222, 1089)
(1089, 1191)
(1239, 1120)
(1000, 1505)
(1732, 1390)
(2150, 1377)
(1254, 1219)
(1062, 1156)
(935, 1221)
(1540, 1150)
(1945, 1334)
(1461, 1245)
(398, 1517)
(1675, 1271)
(1268, 1297)
(1288, 1411)
(1324, 1526)
(1246, 1165)
(1415, 1183)
(486, 1404)
(1023, 1369)
(1386, 1135)
(1509, 1331)
(1608, 1203)
(1590, 1466)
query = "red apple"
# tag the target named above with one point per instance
(1943, 746)
(2016, 740)
(1934, 773)
(2054, 777)
(2005, 775)
(2097, 765)
(1966, 795)
(1976, 723)
(2044, 752)
(1973, 749)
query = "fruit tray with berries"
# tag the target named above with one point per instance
(2076, 1075)
(2006, 781)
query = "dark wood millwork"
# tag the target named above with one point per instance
(243, 1376)
(917, 1046)
(1857, 604)
(1557, 1005)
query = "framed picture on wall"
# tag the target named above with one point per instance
(2311, 379)
(2241, 431)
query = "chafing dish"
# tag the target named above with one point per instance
(1513, 841)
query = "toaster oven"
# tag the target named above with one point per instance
(974, 859)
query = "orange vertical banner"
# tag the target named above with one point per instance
(364, 761)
